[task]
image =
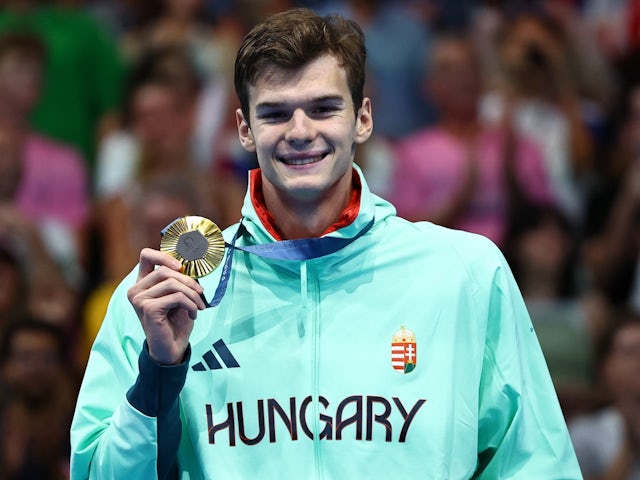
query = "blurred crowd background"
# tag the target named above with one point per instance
(518, 120)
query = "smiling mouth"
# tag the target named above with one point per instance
(297, 160)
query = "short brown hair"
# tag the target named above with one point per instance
(26, 44)
(295, 37)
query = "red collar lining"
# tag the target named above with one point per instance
(347, 217)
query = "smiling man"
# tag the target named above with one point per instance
(341, 341)
(304, 126)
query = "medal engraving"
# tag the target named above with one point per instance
(192, 245)
(197, 242)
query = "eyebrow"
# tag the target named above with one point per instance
(314, 101)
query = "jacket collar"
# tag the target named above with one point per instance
(362, 207)
(256, 195)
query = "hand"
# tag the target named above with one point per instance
(166, 302)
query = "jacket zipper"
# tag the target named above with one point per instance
(309, 282)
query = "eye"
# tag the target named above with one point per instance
(324, 110)
(273, 115)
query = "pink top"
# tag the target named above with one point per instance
(54, 183)
(431, 167)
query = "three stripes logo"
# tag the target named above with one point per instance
(211, 362)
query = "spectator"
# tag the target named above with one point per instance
(32, 283)
(612, 251)
(461, 173)
(37, 403)
(398, 43)
(159, 114)
(83, 72)
(610, 22)
(120, 153)
(182, 25)
(49, 179)
(156, 202)
(537, 93)
(32, 271)
(607, 441)
(541, 250)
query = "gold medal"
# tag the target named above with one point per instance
(197, 242)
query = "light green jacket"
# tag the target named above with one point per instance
(313, 392)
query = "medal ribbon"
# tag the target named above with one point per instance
(300, 250)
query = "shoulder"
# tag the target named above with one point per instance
(42, 147)
(473, 253)
(443, 237)
(429, 148)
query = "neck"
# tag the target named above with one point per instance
(290, 219)
(298, 219)
(13, 117)
(460, 126)
(539, 286)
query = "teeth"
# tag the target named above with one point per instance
(302, 161)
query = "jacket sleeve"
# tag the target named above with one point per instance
(522, 432)
(126, 423)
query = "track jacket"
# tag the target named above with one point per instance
(406, 354)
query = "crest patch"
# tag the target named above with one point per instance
(404, 351)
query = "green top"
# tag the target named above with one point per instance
(83, 73)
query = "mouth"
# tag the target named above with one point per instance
(301, 159)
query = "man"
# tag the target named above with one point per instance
(83, 72)
(44, 199)
(47, 181)
(362, 346)
(618, 360)
(37, 389)
(460, 173)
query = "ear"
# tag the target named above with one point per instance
(244, 132)
(364, 122)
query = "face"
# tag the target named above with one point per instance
(528, 52)
(304, 130)
(622, 368)
(33, 364)
(156, 212)
(454, 82)
(159, 119)
(544, 249)
(20, 78)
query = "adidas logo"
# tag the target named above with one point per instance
(212, 361)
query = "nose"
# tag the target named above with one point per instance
(299, 129)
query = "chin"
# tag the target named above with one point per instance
(305, 191)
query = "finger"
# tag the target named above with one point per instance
(172, 285)
(162, 274)
(150, 258)
(156, 309)
(157, 285)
